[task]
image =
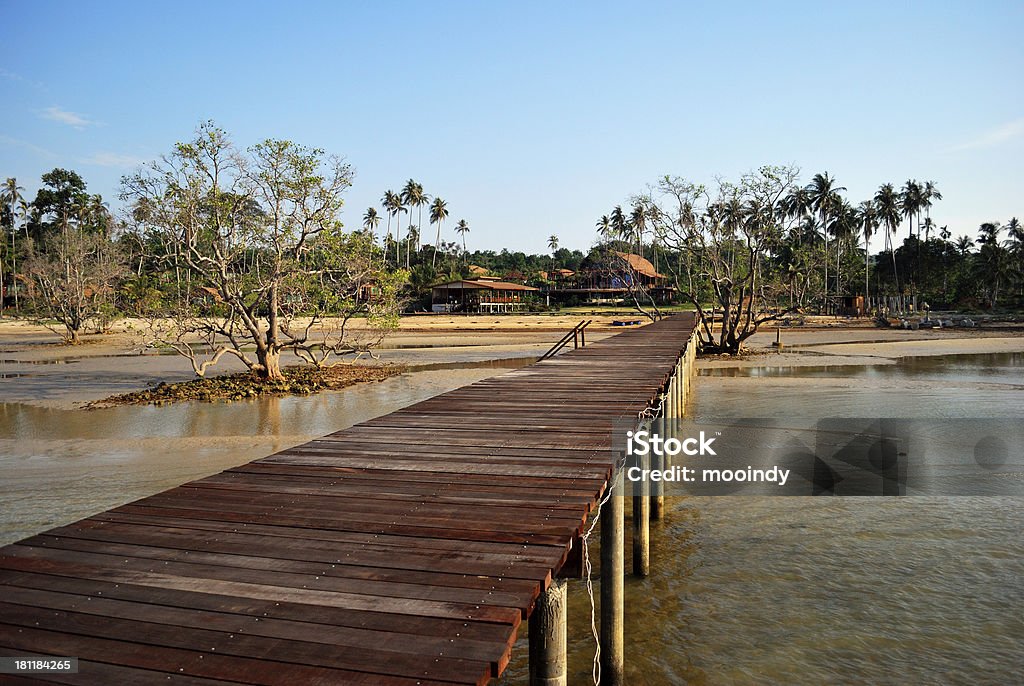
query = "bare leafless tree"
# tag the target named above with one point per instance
(258, 236)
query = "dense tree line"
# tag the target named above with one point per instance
(767, 244)
(260, 240)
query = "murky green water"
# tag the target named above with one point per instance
(761, 590)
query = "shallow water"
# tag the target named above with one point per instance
(800, 590)
(61, 465)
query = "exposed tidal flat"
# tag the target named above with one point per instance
(747, 590)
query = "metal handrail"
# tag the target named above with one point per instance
(578, 336)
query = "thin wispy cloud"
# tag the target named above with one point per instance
(113, 159)
(994, 137)
(8, 141)
(64, 117)
(8, 75)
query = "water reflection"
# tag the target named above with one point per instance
(62, 465)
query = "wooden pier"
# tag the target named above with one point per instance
(404, 550)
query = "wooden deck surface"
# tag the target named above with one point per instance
(404, 550)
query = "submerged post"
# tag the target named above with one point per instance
(641, 523)
(612, 581)
(548, 637)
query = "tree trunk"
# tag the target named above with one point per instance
(269, 368)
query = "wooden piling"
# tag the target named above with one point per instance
(657, 488)
(641, 523)
(548, 637)
(612, 586)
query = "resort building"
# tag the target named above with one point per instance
(611, 278)
(480, 294)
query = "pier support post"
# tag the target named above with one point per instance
(641, 523)
(659, 462)
(612, 581)
(670, 398)
(681, 368)
(548, 637)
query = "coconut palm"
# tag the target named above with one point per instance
(994, 265)
(797, 205)
(964, 245)
(553, 247)
(823, 194)
(989, 233)
(412, 237)
(462, 228)
(14, 205)
(371, 220)
(604, 227)
(395, 207)
(929, 194)
(619, 224)
(1016, 244)
(638, 220)
(887, 211)
(438, 213)
(911, 202)
(867, 218)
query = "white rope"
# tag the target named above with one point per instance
(645, 415)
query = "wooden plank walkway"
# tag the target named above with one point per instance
(404, 550)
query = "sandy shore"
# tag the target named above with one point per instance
(38, 370)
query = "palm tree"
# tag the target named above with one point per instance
(619, 223)
(1016, 243)
(638, 220)
(964, 245)
(929, 194)
(371, 220)
(988, 233)
(797, 204)
(911, 202)
(887, 211)
(413, 196)
(868, 220)
(553, 246)
(412, 237)
(823, 194)
(462, 228)
(604, 226)
(392, 203)
(410, 194)
(993, 266)
(14, 204)
(438, 213)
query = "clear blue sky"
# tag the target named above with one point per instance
(532, 119)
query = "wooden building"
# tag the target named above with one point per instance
(482, 294)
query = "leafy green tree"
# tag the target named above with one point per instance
(62, 196)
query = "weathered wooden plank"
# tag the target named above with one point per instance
(414, 542)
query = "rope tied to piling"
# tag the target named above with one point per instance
(646, 415)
